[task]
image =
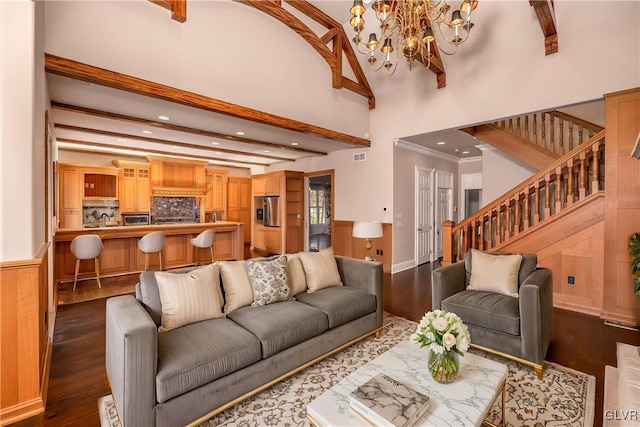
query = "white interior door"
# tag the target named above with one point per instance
(424, 215)
(444, 206)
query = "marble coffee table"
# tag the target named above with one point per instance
(464, 402)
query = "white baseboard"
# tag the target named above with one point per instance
(405, 265)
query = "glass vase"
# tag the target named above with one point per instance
(444, 367)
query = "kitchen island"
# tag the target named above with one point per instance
(121, 255)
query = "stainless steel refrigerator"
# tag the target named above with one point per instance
(270, 211)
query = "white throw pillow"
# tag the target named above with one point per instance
(237, 287)
(628, 364)
(494, 273)
(297, 278)
(269, 280)
(187, 298)
(321, 269)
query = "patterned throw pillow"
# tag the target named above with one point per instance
(269, 280)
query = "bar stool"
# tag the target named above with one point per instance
(204, 240)
(88, 246)
(151, 243)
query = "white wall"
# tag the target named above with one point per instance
(404, 230)
(500, 173)
(22, 210)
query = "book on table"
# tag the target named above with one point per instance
(383, 401)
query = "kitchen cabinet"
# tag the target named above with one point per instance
(239, 203)
(71, 185)
(267, 239)
(267, 186)
(135, 186)
(288, 238)
(100, 185)
(216, 187)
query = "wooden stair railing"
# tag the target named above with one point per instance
(570, 180)
(552, 130)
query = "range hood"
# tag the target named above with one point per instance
(177, 178)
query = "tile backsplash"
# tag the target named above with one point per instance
(94, 214)
(175, 207)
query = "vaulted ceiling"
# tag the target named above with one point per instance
(100, 110)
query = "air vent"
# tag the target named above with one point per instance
(360, 157)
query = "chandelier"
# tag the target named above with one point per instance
(409, 25)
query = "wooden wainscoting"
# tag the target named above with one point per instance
(24, 337)
(346, 245)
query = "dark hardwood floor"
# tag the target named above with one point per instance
(78, 376)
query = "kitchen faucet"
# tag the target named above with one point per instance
(214, 217)
(104, 217)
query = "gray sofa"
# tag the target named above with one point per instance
(515, 327)
(195, 371)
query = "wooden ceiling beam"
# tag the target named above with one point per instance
(335, 34)
(178, 8)
(162, 125)
(547, 18)
(161, 152)
(85, 72)
(167, 142)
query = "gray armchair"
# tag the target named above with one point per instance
(518, 328)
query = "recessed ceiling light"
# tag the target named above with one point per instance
(215, 143)
(121, 139)
(239, 133)
(465, 152)
(265, 151)
(441, 143)
(163, 117)
(148, 132)
(456, 150)
(294, 143)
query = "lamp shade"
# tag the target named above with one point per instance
(367, 230)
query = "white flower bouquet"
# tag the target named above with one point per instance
(442, 331)
(447, 337)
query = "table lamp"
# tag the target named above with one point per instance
(367, 230)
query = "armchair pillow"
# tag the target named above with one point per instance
(494, 273)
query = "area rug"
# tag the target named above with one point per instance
(564, 397)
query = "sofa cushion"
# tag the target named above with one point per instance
(341, 304)
(281, 325)
(528, 266)
(148, 294)
(269, 280)
(199, 353)
(487, 310)
(237, 287)
(494, 273)
(187, 298)
(320, 269)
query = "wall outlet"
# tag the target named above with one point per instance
(571, 280)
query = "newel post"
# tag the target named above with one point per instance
(447, 242)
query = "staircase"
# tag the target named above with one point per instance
(536, 139)
(572, 180)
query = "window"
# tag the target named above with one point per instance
(317, 201)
